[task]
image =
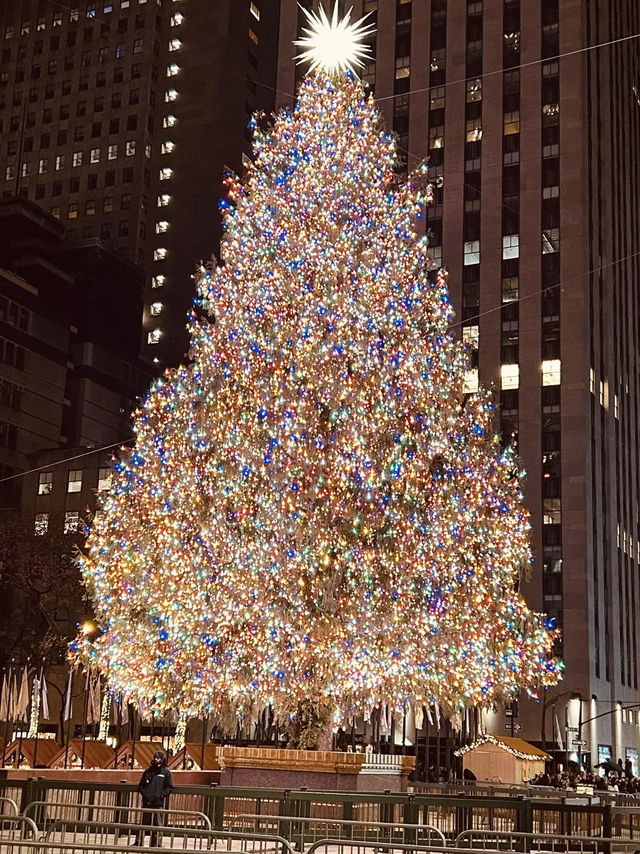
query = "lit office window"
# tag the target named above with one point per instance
(41, 524)
(74, 483)
(104, 479)
(471, 382)
(71, 521)
(156, 309)
(510, 376)
(159, 254)
(45, 483)
(510, 246)
(163, 200)
(154, 337)
(471, 253)
(551, 372)
(158, 281)
(173, 69)
(162, 226)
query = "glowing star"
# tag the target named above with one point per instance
(334, 46)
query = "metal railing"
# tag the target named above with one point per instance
(449, 813)
(8, 804)
(44, 812)
(344, 846)
(302, 830)
(91, 835)
(109, 841)
(17, 826)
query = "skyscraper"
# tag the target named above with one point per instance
(119, 118)
(528, 113)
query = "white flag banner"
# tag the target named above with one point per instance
(437, 708)
(125, 711)
(44, 705)
(4, 701)
(13, 697)
(558, 732)
(384, 720)
(68, 701)
(418, 717)
(429, 715)
(95, 700)
(23, 697)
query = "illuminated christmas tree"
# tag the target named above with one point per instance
(315, 515)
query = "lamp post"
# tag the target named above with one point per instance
(551, 701)
(582, 723)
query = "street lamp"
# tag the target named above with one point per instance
(582, 723)
(551, 701)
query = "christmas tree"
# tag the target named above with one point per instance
(315, 516)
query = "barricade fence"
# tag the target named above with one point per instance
(47, 801)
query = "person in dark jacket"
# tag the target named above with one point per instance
(155, 786)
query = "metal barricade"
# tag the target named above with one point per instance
(94, 835)
(344, 846)
(43, 812)
(303, 830)
(10, 804)
(208, 841)
(17, 827)
(549, 843)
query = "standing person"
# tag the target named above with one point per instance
(155, 786)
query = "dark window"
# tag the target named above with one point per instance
(114, 126)
(132, 122)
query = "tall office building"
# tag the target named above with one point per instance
(529, 113)
(119, 118)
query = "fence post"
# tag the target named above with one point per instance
(410, 816)
(347, 815)
(524, 821)
(607, 827)
(28, 794)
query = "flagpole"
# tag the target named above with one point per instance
(26, 667)
(7, 687)
(118, 706)
(85, 708)
(69, 712)
(132, 732)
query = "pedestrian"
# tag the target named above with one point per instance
(155, 786)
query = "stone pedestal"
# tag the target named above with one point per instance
(316, 770)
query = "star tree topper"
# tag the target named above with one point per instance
(334, 46)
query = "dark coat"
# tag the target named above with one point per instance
(155, 786)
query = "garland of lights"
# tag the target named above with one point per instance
(34, 717)
(490, 739)
(314, 512)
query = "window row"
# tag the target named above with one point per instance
(93, 10)
(74, 481)
(61, 161)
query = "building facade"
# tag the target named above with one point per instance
(70, 371)
(119, 117)
(526, 112)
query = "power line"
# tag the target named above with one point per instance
(47, 466)
(529, 64)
